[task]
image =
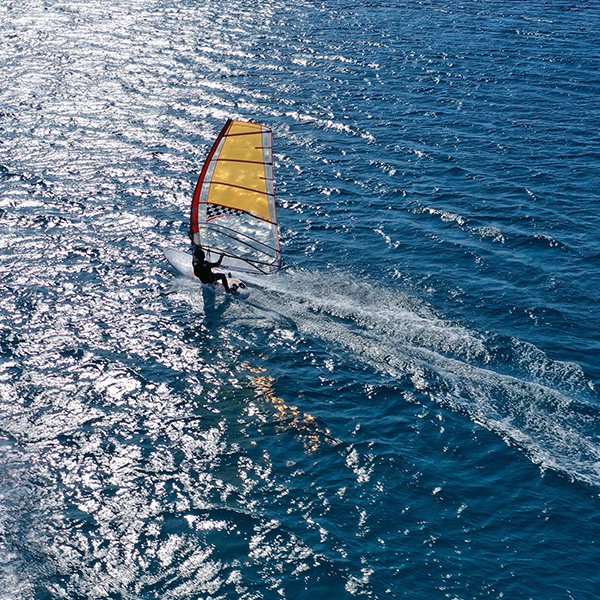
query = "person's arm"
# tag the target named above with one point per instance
(213, 265)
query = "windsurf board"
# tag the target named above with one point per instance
(182, 263)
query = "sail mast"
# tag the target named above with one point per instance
(196, 198)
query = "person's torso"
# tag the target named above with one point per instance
(202, 269)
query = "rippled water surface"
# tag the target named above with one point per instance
(408, 410)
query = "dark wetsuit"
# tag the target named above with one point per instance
(203, 270)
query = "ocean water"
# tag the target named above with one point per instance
(409, 409)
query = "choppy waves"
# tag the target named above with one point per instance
(546, 407)
(368, 423)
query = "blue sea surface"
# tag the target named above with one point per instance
(409, 409)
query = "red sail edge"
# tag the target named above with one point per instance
(195, 200)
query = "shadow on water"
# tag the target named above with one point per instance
(214, 308)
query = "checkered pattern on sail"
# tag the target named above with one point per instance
(214, 211)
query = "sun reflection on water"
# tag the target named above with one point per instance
(305, 426)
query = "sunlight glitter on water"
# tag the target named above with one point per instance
(327, 437)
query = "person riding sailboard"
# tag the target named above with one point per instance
(203, 269)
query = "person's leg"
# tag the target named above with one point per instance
(220, 277)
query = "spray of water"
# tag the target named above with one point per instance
(544, 407)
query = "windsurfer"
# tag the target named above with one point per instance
(203, 269)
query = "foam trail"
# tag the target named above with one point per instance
(542, 406)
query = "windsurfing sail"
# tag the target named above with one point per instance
(233, 209)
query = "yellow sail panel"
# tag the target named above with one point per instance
(255, 203)
(243, 147)
(241, 175)
(236, 127)
(238, 179)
